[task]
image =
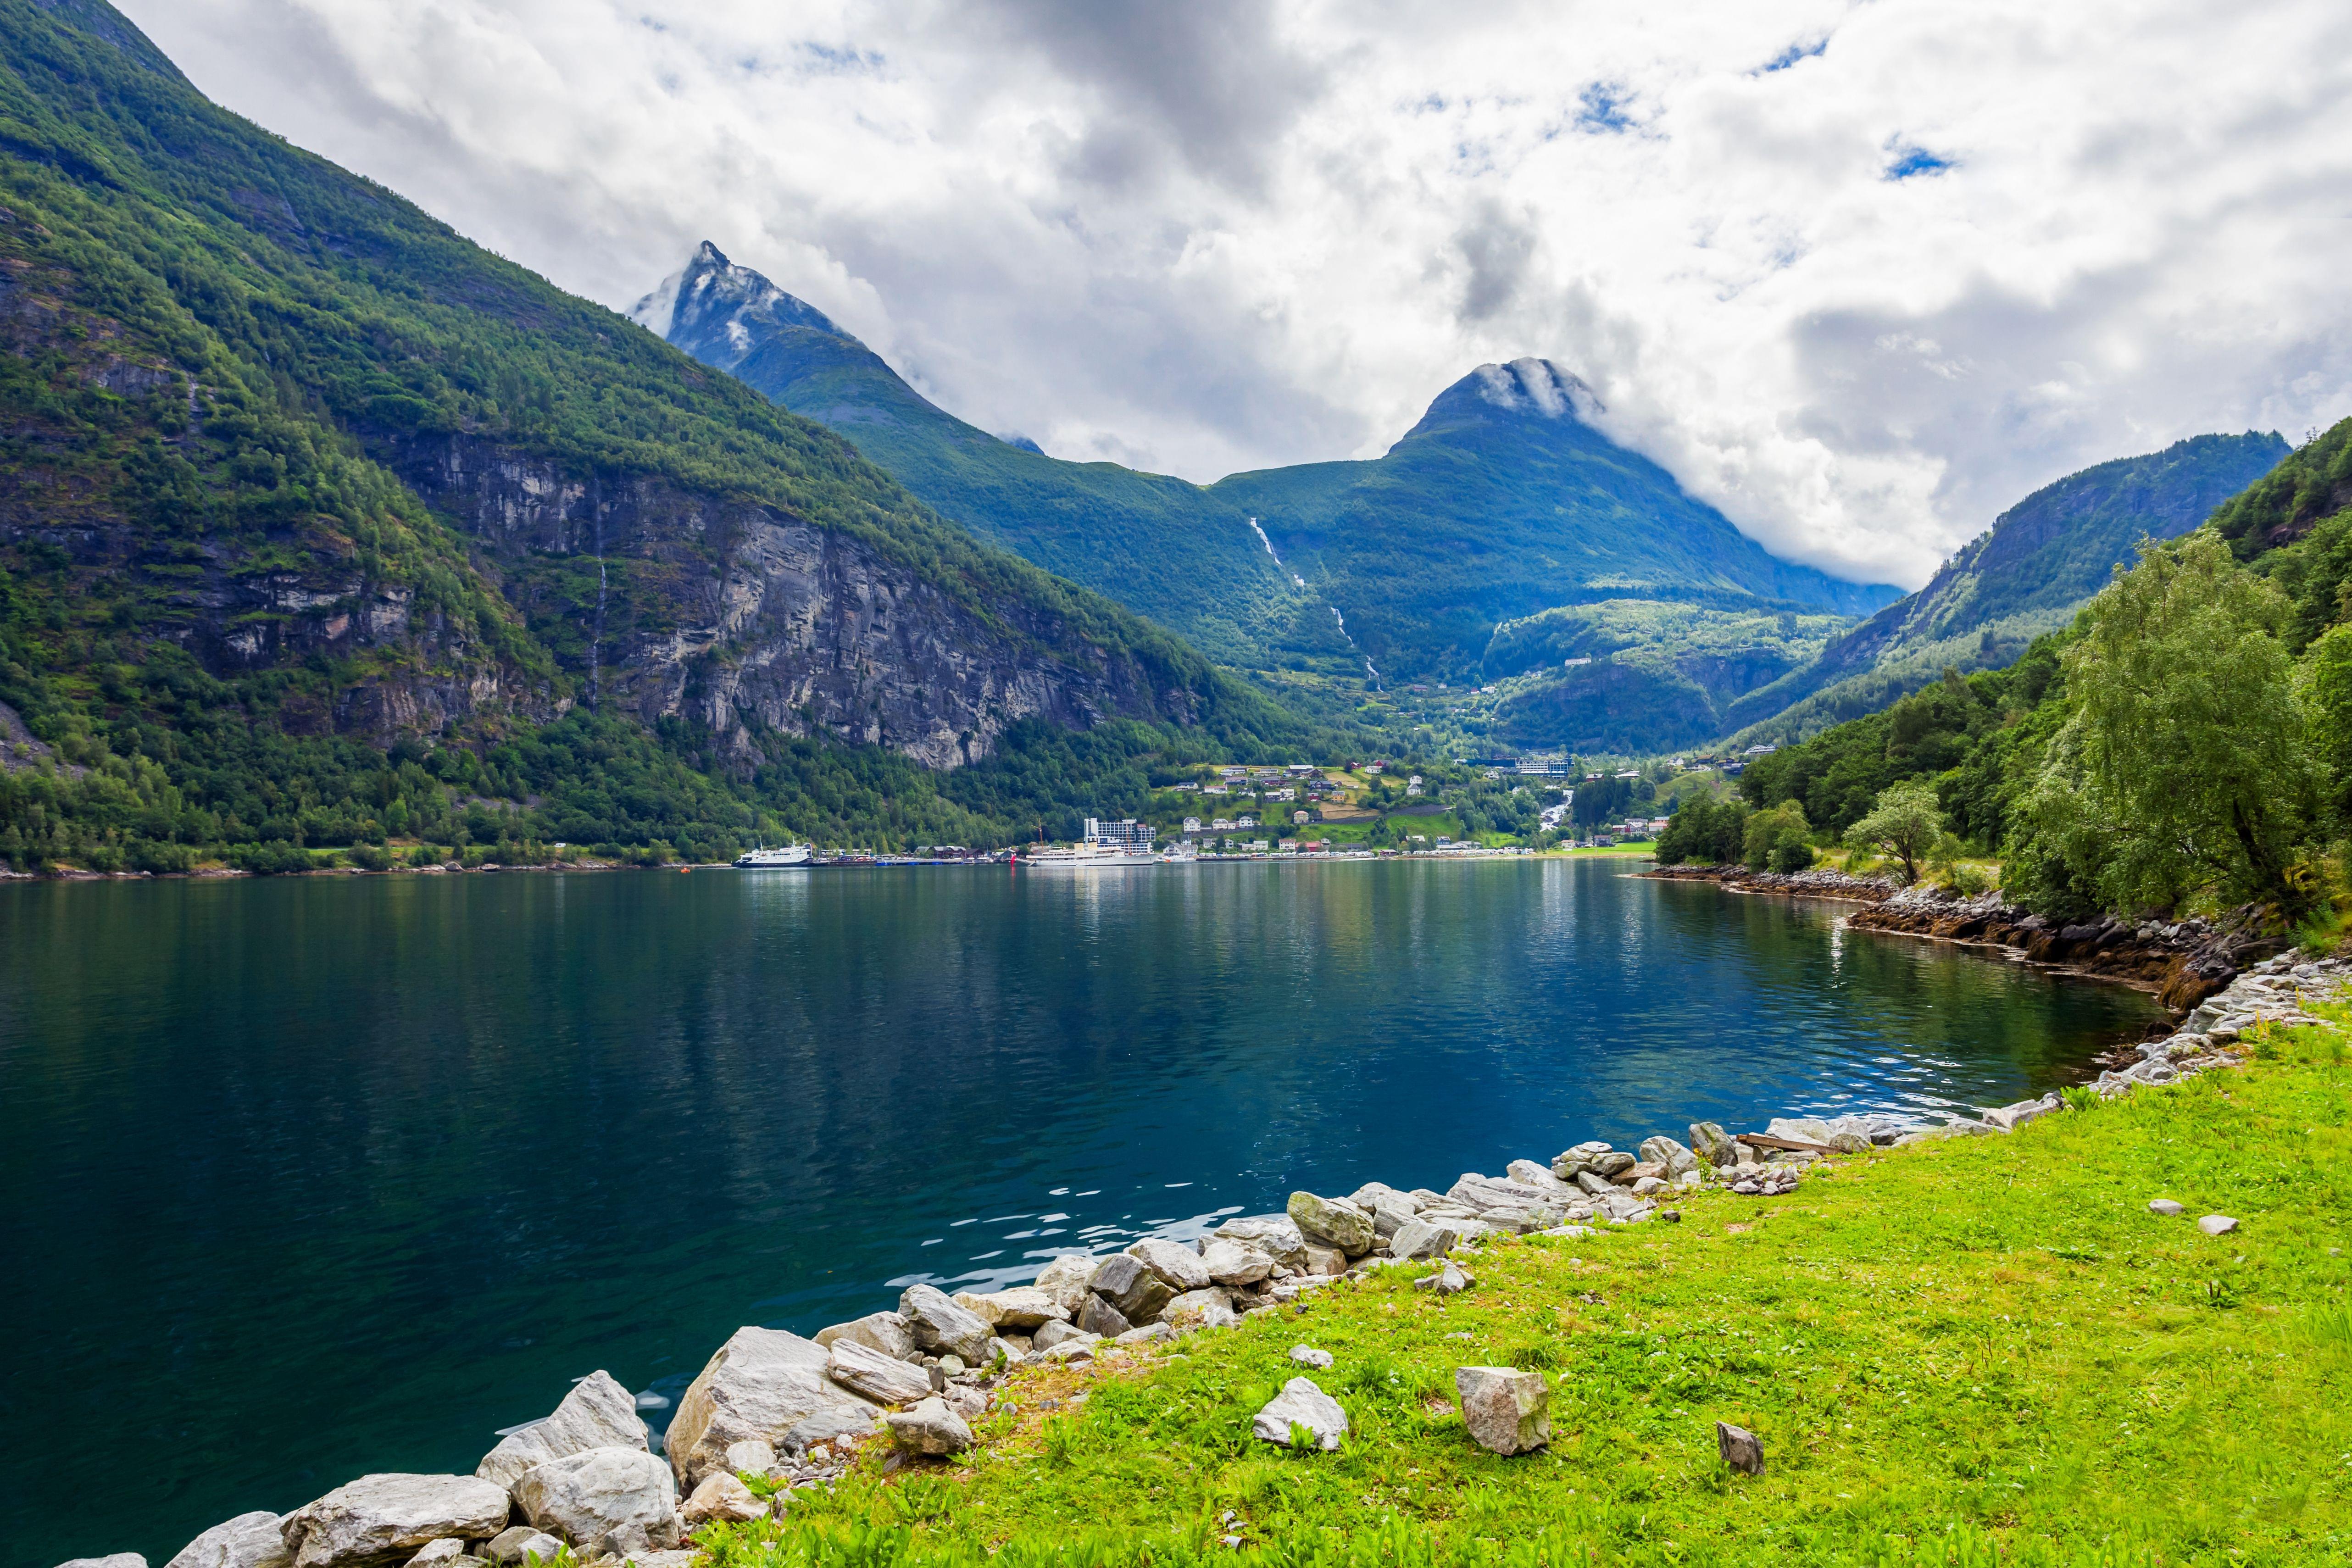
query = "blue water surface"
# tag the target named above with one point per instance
(305, 1179)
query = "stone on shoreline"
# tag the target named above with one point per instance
(113, 1560)
(383, 1519)
(1179, 1266)
(1303, 1404)
(1674, 1159)
(1134, 1290)
(1275, 1234)
(941, 1327)
(597, 1414)
(886, 1331)
(1507, 1410)
(1235, 1262)
(1335, 1222)
(1713, 1145)
(1054, 1333)
(2010, 1118)
(1067, 1280)
(1025, 1308)
(762, 1384)
(1208, 1308)
(587, 1496)
(448, 1549)
(863, 1370)
(1099, 1318)
(1422, 1239)
(249, 1541)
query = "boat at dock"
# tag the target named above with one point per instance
(773, 859)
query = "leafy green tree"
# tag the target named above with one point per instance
(1903, 826)
(2186, 763)
(1779, 839)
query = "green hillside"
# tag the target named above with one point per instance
(1161, 546)
(2025, 575)
(320, 525)
(1500, 503)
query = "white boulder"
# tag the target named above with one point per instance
(762, 1384)
(1507, 1411)
(585, 1496)
(1303, 1404)
(1179, 1266)
(383, 1519)
(877, 1377)
(931, 1428)
(724, 1497)
(597, 1414)
(249, 1541)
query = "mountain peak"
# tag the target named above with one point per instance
(1535, 385)
(710, 308)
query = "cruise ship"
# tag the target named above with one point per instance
(1107, 846)
(773, 859)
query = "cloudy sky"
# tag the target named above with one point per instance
(1861, 274)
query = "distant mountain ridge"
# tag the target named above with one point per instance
(1505, 499)
(2026, 574)
(1502, 502)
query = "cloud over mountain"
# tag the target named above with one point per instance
(1859, 275)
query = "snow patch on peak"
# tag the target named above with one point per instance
(712, 300)
(1539, 386)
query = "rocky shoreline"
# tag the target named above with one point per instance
(772, 1414)
(2183, 962)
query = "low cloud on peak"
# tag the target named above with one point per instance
(1859, 275)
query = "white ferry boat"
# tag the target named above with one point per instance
(1087, 857)
(773, 859)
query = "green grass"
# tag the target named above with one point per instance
(1975, 1350)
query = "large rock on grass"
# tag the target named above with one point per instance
(597, 1414)
(1507, 1411)
(249, 1541)
(1422, 1239)
(943, 1327)
(1208, 1308)
(723, 1498)
(1672, 1157)
(585, 1496)
(1713, 1145)
(762, 1384)
(1335, 1222)
(1304, 1405)
(383, 1519)
(930, 1428)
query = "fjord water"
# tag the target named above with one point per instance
(305, 1179)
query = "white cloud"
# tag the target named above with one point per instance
(1220, 235)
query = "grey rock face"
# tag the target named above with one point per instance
(1507, 1410)
(1302, 1404)
(1611, 1162)
(1067, 1280)
(1739, 1447)
(1275, 1233)
(1235, 1262)
(1597, 1184)
(1713, 1145)
(868, 1372)
(1335, 1222)
(383, 1519)
(597, 1414)
(762, 1384)
(931, 1428)
(1180, 1268)
(1133, 1289)
(885, 1331)
(438, 1553)
(249, 1541)
(587, 1496)
(721, 1496)
(1528, 1174)
(827, 633)
(1421, 1239)
(750, 1456)
(943, 1327)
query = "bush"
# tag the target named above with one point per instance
(276, 858)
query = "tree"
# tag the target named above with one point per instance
(1903, 826)
(2186, 763)
(1779, 839)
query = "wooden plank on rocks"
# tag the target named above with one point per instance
(1764, 1140)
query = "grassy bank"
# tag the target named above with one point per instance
(1972, 1350)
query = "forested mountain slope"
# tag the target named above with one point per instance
(293, 473)
(1161, 546)
(2025, 575)
(1502, 502)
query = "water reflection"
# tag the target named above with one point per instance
(330, 1176)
